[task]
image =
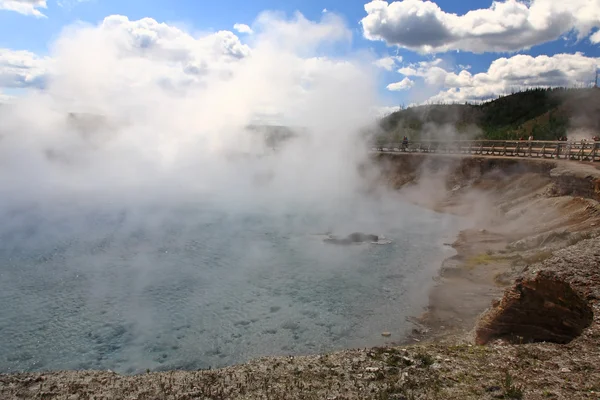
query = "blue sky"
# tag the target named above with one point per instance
(452, 45)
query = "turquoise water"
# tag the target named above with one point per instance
(130, 288)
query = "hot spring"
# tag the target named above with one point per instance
(194, 286)
(144, 226)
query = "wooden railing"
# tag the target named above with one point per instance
(567, 150)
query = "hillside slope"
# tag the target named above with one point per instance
(546, 113)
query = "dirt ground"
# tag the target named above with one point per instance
(524, 226)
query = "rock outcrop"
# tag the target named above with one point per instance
(553, 301)
(571, 183)
(542, 309)
(568, 178)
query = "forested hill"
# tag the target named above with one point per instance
(546, 113)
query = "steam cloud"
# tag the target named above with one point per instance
(95, 203)
(165, 109)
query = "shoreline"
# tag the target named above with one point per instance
(440, 320)
(532, 230)
(422, 331)
(482, 269)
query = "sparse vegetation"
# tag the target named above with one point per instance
(511, 390)
(481, 259)
(425, 360)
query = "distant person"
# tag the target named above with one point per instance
(559, 147)
(404, 143)
(530, 144)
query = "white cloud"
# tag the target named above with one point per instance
(144, 50)
(25, 7)
(508, 25)
(243, 28)
(420, 68)
(300, 33)
(22, 69)
(509, 74)
(91, 62)
(127, 52)
(151, 38)
(70, 3)
(119, 54)
(595, 38)
(324, 11)
(404, 84)
(388, 63)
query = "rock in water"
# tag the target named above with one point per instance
(358, 237)
(355, 237)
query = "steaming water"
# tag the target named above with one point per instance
(194, 286)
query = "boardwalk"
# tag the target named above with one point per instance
(571, 150)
